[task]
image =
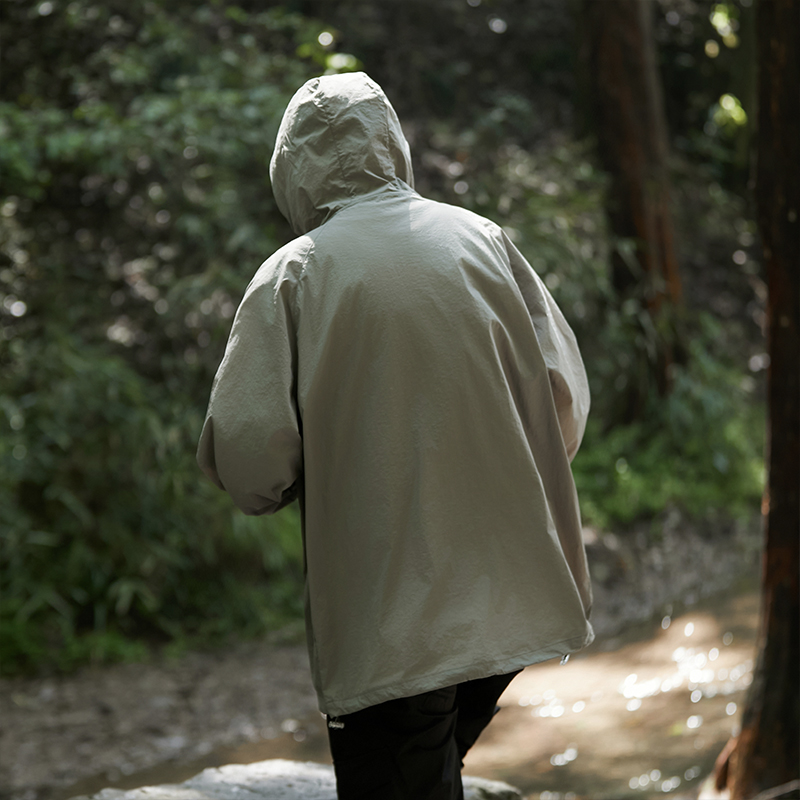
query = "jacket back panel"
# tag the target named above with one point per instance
(427, 420)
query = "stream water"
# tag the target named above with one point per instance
(641, 716)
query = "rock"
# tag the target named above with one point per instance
(482, 789)
(276, 779)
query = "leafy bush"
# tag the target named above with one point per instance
(135, 206)
(700, 449)
(107, 525)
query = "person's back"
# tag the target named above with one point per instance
(402, 366)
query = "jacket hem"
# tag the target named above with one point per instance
(437, 680)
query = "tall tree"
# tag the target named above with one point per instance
(767, 754)
(628, 108)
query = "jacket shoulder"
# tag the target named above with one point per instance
(285, 266)
(463, 216)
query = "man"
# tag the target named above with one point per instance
(401, 369)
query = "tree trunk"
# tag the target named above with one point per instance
(632, 138)
(768, 751)
(619, 60)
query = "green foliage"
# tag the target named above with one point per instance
(107, 529)
(135, 206)
(708, 64)
(700, 449)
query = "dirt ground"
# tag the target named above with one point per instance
(138, 724)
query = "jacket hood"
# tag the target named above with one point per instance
(339, 138)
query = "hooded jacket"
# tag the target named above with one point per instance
(401, 367)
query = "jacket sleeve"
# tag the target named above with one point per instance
(251, 444)
(559, 348)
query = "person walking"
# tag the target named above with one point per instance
(401, 370)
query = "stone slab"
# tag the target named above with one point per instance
(276, 779)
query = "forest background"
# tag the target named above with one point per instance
(135, 206)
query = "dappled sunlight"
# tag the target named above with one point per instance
(649, 717)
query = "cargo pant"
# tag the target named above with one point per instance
(412, 748)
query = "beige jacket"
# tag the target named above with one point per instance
(402, 366)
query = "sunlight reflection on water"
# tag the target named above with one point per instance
(562, 759)
(691, 673)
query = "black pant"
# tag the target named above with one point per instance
(412, 748)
